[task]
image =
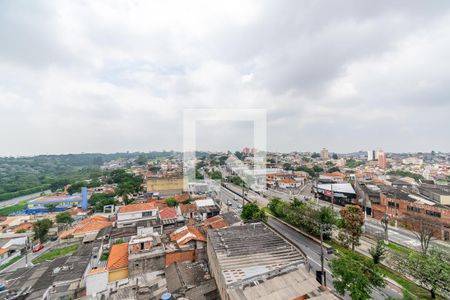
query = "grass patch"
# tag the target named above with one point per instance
(13, 208)
(55, 253)
(104, 256)
(398, 248)
(4, 266)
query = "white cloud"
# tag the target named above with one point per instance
(114, 76)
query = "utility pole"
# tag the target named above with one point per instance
(26, 252)
(385, 222)
(332, 197)
(322, 257)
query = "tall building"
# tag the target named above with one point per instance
(382, 163)
(324, 154)
(371, 155)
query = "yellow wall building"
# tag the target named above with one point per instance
(165, 185)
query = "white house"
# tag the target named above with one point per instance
(128, 215)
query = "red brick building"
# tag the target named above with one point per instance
(411, 209)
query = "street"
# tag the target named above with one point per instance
(308, 246)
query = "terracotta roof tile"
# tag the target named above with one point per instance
(168, 213)
(214, 223)
(188, 208)
(118, 257)
(23, 226)
(92, 224)
(137, 207)
(98, 270)
(186, 234)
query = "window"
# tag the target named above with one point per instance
(413, 209)
(147, 213)
(393, 204)
(433, 213)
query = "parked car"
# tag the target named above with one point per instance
(38, 248)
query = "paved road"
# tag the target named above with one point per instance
(16, 200)
(371, 226)
(312, 251)
(22, 263)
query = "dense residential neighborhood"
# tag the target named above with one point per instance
(143, 232)
(224, 150)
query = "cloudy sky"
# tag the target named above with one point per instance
(106, 76)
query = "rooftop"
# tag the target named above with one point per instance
(186, 234)
(250, 251)
(89, 225)
(337, 187)
(118, 257)
(137, 207)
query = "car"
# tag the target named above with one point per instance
(38, 248)
(53, 238)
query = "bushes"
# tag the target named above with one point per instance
(303, 215)
(251, 212)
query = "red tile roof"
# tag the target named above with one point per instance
(118, 257)
(92, 224)
(168, 213)
(188, 208)
(23, 226)
(334, 174)
(181, 198)
(186, 234)
(214, 223)
(97, 270)
(288, 180)
(137, 207)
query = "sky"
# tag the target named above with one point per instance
(109, 76)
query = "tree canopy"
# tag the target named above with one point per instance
(355, 276)
(64, 217)
(41, 228)
(351, 225)
(251, 211)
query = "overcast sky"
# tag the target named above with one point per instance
(107, 76)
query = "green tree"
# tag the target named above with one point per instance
(51, 207)
(315, 155)
(216, 175)
(76, 187)
(431, 271)
(296, 202)
(334, 169)
(287, 166)
(171, 202)
(251, 211)
(335, 156)
(355, 276)
(317, 169)
(351, 225)
(141, 159)
(378, 252)
(99, 200)
(64, 217)
(58, 184)
(307, 170)
(41, 228)
(351, 163)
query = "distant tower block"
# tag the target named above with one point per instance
(84, 198)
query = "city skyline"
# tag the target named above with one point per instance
(93, 77)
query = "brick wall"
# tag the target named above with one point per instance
(179, 256)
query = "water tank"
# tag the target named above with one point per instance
(166, 296)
